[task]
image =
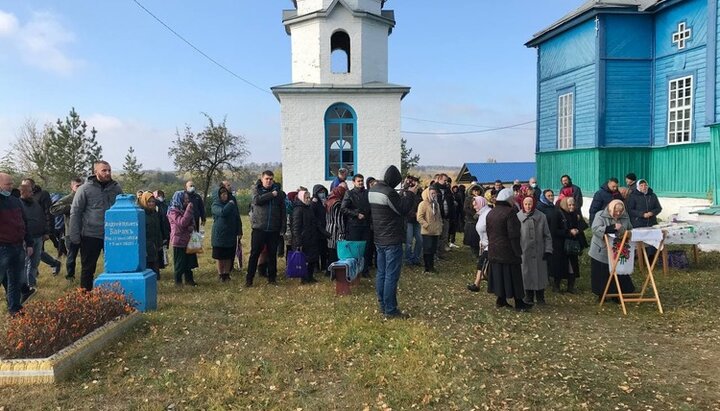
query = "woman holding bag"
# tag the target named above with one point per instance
(306, 234)
(182, 224)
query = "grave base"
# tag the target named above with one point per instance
(140, 286)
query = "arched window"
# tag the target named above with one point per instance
(340, 140)
(340, 52)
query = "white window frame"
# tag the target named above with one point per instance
(680, 110)
(566, 120)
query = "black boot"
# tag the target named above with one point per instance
(571, 285)
(529, 297)
(501, 302)
(189, 280)
(520, 305)
(540, 294)
(556, 285)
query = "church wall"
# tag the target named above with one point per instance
(306, 52)
(628, 103)
(375, 58)
(303, 134)
(582, 82)
(568, 51)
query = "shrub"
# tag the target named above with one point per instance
(46, 327)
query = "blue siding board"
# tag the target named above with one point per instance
(628, 36)
(693, 13)
(717, 63)
(585, 121)
(568, 51)
(628, 111)
(689, 62)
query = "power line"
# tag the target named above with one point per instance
(248, 82)
(438, 133)
(232, 73)
(446, 122)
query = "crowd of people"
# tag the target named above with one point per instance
(524, 239)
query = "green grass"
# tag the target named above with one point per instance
(221, 346)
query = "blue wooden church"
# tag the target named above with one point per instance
(631, 86)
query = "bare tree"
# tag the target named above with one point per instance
(209, 153)
(31, 151)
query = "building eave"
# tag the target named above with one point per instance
(291, 17)
(314, 88)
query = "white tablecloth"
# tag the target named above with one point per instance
(691, 233)
(649, 236)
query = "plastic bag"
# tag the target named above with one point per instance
(196, 243)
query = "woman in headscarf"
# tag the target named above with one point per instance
(483, 208)
(226, 231)
(567, 266)
(504, 252)
(153, 231)
(306, 233)
(182, 224)
(537, 246)
(335, 221)
(470, 211)
(430, 220)
(611, 220)
(557, 231)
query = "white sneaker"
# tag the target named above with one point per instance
(451, 245)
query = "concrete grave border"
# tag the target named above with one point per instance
(60, 365)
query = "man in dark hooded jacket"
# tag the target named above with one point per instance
(607, 193)
(42, 198)
(388, 210)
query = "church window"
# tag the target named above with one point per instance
(680, 108)
(681, 36)
(340, 52)
(340, 140)
(566, 117)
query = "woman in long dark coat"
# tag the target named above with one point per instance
(306, 233)
(226, 230)
(470, 235)
(567, 266)
(504, 252)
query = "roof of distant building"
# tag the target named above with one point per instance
(485, 173)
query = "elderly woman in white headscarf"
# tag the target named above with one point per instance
(612, 220)
(504, 252)
(482, 209)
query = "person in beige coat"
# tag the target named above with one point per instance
(431, 224)
(536, 244)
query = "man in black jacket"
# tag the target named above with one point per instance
(607, 193)
(447, 210)
(62, 208)
(356, 209)
(42, 197)
(388, 210)
(268, 220)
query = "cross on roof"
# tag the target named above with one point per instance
(681, 36)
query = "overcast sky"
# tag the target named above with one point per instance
(133, 80)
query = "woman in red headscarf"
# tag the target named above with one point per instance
(335, 221)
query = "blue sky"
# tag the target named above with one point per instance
(136, 83)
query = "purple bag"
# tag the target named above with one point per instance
(296, 265)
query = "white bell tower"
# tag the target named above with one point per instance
(339, 111)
